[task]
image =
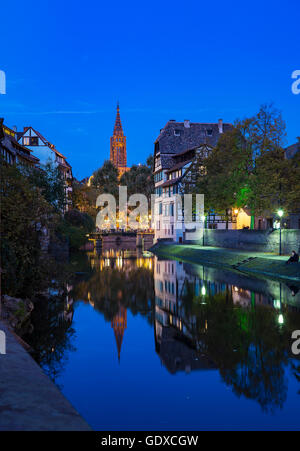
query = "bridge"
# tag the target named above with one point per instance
(143, 239)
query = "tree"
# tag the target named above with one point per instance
(227, 169)
(264, 131)
(139, 179)
(84, 198)
(24, 212)
(49, 180)
(270, 183)
(246, 169)
(105, 179)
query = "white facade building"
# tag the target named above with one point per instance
(179, 146)
(46, 152)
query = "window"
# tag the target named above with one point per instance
(172, 210)
(177, 132)
(158, 176)
(157, 162)
(160, 208)
(209, 132)
(30, 141)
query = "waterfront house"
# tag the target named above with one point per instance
(179, 146)
(12, 151)
(45, 151)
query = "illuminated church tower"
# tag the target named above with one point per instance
(118, 154)
(119, 324)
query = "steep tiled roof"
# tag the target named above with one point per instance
(170, 182)
(10, 143)
(178, 166)
(178, 137)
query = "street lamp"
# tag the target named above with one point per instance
(280, 214)
(203, 220)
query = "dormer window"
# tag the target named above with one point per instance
(157, 162)
(177, 132)
(209, 132)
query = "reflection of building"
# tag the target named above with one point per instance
(118, 153)
(181, 289)
(174, 337)
(119, 324)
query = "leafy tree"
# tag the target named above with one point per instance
(49, 180)
(139, 179)
(270, 183)
(75, 226)
(247, 168)
(105, 179)
(24, 211)
(227, 169)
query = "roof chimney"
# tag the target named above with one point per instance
(187, 123)
(220, 125)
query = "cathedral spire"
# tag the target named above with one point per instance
(118, 130)
(118, 154)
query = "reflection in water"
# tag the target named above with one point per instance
(204, 320)
(52, 335)
(119, 324)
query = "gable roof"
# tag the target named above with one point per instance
(45, 141)
(9, 143)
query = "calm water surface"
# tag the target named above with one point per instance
(135, 342)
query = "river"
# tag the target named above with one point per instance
(139, 343)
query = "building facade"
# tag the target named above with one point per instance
(13, 152)
(46, 152)
(118, 152)
(179, 147)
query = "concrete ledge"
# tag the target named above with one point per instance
(29, 401)
(257, 263)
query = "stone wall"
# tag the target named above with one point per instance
(254, 240)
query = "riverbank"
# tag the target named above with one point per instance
(256, 263)
(29, 399)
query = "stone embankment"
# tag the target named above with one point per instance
(256, 263)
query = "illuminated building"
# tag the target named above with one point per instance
(180, 148)
(118, 153)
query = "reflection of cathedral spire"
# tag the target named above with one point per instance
(119, 324)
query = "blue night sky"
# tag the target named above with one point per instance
(67, 63)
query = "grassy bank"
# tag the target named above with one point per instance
(259, 264)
